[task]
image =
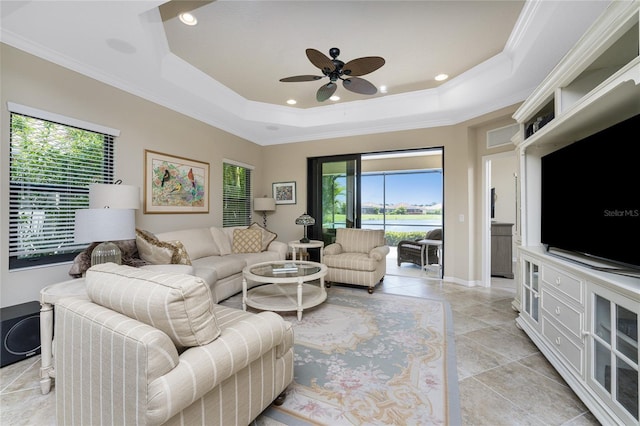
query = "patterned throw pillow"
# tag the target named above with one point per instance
(159, 252)
(267, 236)
(247, 241)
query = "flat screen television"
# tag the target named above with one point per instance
(590, 199)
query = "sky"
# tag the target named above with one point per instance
(418, 188)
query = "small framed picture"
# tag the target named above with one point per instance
(284, 192)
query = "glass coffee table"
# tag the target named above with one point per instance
(288, 286)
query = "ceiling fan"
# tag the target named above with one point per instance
(336, 70)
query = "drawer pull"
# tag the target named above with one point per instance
(557, 310)
(558, 341)
(557, 280)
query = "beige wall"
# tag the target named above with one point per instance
(143, 125)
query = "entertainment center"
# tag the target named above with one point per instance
(580, 302)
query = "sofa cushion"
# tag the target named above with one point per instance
(247, 241)
(179, 305)
(267, 236)
(222, 240)
(198, 241)
(352, 261)
(359, 240)
(224, 266)
(157, 252)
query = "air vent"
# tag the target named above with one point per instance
(501, 136)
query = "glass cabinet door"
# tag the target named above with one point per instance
(530, 289)
(614, 346)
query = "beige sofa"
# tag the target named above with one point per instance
(152, 348)
(357, 257)
(217, 255)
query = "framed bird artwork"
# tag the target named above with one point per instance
(175, 184)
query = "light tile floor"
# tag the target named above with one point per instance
(503, 378)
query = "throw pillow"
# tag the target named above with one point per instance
(247, 241)
(158, 252)
(267, 236)
(179, 305)
(222, 240)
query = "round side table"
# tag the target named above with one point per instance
(297, 245)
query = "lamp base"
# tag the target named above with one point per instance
(106, 252)
(305, 240)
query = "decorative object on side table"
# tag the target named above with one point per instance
(264, 205)
(305, 220)
(284, 192)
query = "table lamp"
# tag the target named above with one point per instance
(305, 220)
(106, 225)
(264, 205)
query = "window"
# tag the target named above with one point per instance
(236, 194)
(51, 167)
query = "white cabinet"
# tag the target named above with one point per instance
(613, 351)
(584, 321)
(530, 290)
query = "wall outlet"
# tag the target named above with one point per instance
(460, 218)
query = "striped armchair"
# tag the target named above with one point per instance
(357, 257)
(152, 348)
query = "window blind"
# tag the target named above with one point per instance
(51, 167)
(236, 195)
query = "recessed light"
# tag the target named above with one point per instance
(188, 19)
(292, 102)
(383, 89)
(441, 77)
(335, 98)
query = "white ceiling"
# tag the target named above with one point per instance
(225, 70)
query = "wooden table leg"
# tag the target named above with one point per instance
(46, 346)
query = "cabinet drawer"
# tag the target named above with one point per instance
(563, 313)
(564, 283)
(563, 344)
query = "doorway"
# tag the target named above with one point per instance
(401, 192)
(499, 203)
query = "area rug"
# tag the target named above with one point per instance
(370, 359)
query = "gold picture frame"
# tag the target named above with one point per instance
(174, 184)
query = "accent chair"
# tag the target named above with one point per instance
(357, 257)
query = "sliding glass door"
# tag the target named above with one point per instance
(334, 195)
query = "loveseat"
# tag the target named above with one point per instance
(152, 348)
(217, 255)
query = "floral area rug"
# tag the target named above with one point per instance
(370, 359)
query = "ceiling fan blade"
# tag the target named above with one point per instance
(362, 66)
(298, 78)
(359, 85)
(326, 91)
(320, 60)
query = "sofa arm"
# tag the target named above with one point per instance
(334, 248)
(280, 248)
(379, 253)
(202, 368)
(104, 362)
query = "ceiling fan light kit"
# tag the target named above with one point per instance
(335, 69)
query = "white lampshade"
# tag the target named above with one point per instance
(113, 196)
(94, 225)
(264, 204)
